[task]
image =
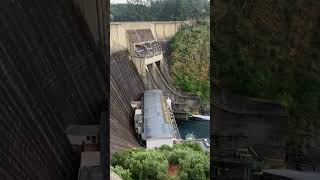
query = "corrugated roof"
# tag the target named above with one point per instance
(82, 130)
(154, 122)
(140, 35)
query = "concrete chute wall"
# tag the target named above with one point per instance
(191, 101)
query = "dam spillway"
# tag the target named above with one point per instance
(129, 79)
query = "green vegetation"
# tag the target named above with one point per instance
(144, 164)
(160, 10)
(270, 49)
(190, 56)
(125, 174)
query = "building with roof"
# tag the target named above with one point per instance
(144, 49)
(157, 124)
(142, 44)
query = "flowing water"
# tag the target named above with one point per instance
(200, 127)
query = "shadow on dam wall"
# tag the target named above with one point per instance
(125, 86)
(51, 75)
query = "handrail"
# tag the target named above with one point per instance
(173, 121)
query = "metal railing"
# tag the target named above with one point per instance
(175, 126)
(173, 120)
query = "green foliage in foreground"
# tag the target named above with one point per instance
(190, 59)
(143, 164)
(125, 174)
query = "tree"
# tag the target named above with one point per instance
(153, 164)
(125, 174)
(147, 165)
(190, 56)
(160, 10)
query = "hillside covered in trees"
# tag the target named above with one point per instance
(190, 56)
(270, 49)
(160, 10)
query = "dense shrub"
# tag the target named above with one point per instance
(193, 146)
(190, 55)
(165, 148)
(153, 164)
(149, 164)
(119, 158)
(178, 154)
(125, 174)
(195, 166)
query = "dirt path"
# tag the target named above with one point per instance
(173, 169)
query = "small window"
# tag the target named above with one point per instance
(88, 138)
(93, 139)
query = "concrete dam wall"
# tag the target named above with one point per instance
(51, 75)
(125, 86)
(162, 30)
